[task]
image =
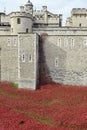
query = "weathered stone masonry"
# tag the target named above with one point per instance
(67, 62)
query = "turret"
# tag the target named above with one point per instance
(21, 22)
(78, 18)
(28, 7)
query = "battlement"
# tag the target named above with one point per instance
(21, 14)
(79, 11)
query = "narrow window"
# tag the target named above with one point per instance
(23, 57)
(56, 62)
(72, 42)
(27, 30)
(18, 21)
(15, 41)
(8, 41)
(59, 42)
(30, 58)
(12, 30)
(80, 25)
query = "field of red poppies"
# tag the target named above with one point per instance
(53, 107)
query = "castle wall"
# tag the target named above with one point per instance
(79, 21)
(60, 55)
(9, 58)
(66, 58)
(28, 60)
(67, 31)
(19, 59)
(4, 30)
(46, 18)
(5, 18)
(54, 20)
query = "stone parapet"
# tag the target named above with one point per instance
(20, 14)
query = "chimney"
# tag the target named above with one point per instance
(21, 8)
(44, 8)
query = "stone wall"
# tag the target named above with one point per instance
(66, 59)
(63, 31)
(28, 60)
(19, 59)
(4, 18)
(9, 58)
(5, 30)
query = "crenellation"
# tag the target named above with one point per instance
(20, 14)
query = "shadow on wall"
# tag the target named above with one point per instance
(56, 60)
(44, 73)
(52, 61)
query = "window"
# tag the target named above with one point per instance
(12, 30)
(59, 42)
(27, 30)
(56, 62)
(80, 25)
(15, 41)
(18, 21)
(8, 41)
(72, 42)
(30, 58)
(23, 57)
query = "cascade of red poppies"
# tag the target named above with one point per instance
(44, 75)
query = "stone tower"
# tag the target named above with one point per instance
(78, 18)
(21, 26)
(21, 22)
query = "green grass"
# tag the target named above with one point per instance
(15, 85)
